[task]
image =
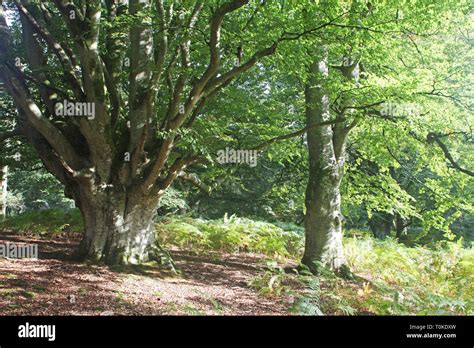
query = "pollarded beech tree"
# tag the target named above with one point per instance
(135, 75)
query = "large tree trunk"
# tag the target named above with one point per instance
(119, 228)
(323, 220)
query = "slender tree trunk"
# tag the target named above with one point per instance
(401, 226)
(3, 191)
(323, 220)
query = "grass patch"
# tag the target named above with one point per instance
(192, 310)
(39, 288)
(13, 293)
(46, 222)
(27, 294)
(7, 293)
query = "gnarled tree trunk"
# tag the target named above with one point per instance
(119, 228)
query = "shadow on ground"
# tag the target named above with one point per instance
(55, 284)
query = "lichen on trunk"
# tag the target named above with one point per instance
(323, 222)
(119, 227)
(326, 157)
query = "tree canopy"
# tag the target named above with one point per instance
(127, 103)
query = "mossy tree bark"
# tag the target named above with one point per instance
(326, 148)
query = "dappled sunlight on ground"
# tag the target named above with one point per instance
(55, 285)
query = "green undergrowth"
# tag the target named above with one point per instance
(45, 222)
(413, 280)
(391, 278)
(230, 234)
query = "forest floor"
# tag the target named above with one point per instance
(215, 284)
(390, 278)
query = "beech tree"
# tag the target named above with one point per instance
(356, 76)
(326, 155)
(358, 95)
(146, 69)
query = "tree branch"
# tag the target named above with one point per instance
(435, 137)
(195, 181)
(296, 133)
(176, 168)
(56, 47)
(214, 61)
